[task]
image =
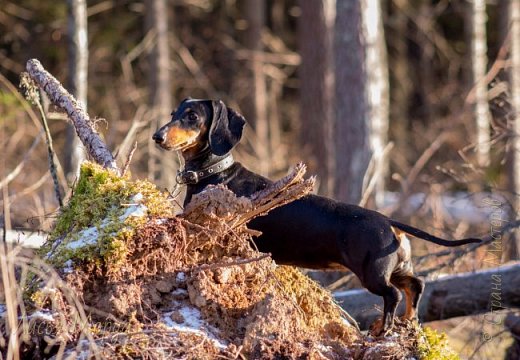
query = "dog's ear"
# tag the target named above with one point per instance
(226, 128)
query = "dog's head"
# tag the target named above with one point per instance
(197, 124)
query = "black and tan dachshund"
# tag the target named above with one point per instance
(313, 232)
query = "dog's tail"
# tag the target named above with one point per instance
(429, 237)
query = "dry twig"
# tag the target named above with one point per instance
(18, 169)
(34, 97)
(129, 158)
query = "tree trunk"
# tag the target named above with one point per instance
(315, 33)
(479, 69)
(255, 107)
(351, 134)
(78, 77)
(424, 103)
(402, 85)
(513, 251)
(161, 169)
(377, 92)
(361, 96)
(486, 291)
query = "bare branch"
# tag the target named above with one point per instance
(96, 148)
(131, 134)
(129, 158)
(18, 169)
(377, 173)
(51, 153)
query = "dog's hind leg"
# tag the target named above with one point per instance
(413, 288)
(391, 296)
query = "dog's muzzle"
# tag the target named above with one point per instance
(159, 137)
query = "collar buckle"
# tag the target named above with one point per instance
(187, 177)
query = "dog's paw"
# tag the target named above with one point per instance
(376, 328)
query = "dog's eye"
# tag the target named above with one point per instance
(192, 116)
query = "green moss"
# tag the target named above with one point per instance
(115, 251)
(95, 193)
(93, 227)
(435, 346)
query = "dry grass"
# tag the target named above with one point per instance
(50, 321)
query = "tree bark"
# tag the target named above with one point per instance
(479, 69)
(361, 96)
(402, 84)
(351, 134)
(60, 97)
(377, 92)
(486, 291)
(78, 80)
(160, 90)
(255, 107)
(315, 34)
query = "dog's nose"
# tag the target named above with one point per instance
(159, 137)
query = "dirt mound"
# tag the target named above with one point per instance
(155, 285)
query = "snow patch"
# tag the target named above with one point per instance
(87, 237)
(90, 235)
(179, 291)
(135, 209)
(192, 323)
(26, 238)
(458, 206)
(43, 315)
(68, 267)
(180, 277)
(376, 349)
(137, 198)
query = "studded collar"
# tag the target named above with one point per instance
(194, 176)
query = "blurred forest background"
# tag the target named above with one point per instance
(401, 106)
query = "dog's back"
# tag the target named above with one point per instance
(319, 233)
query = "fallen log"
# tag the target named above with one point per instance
(479, 292)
